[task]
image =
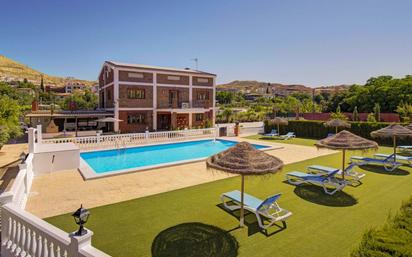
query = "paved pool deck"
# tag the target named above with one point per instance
(64, 191)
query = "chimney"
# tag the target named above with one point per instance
(34, 106)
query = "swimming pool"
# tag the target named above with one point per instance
(112, 161)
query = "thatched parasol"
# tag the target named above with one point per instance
(280, 121)
(345, 140)
(409, 126)
(245, 160)
(337, 123)
(392, 131)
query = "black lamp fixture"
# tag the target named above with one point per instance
(23, 157)
(80, 217)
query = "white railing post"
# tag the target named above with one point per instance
(32, 139)
(98, 137)
(39, 134)
(23, 168)
(79, 242)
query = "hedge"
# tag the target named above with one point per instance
(393, 239)
(316, 130)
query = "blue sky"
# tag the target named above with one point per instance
(310, 42)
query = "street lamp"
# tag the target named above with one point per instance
(80, 217)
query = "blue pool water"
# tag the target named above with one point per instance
(137, 157)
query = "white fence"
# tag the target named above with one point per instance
(20, 189)
(24, 234)
(123, 140)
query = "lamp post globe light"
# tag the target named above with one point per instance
(80, 217)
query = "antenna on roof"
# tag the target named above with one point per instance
(197, 62)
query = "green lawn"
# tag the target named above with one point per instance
(294, 141)
(320, 226)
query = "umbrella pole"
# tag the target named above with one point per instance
(343, 164)
(336, 130)
(242, 223)
(278, 129)
(394, 148)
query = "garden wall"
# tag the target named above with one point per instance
(316, 130)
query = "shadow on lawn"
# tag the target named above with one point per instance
(315, 194)
(381, 170)
(252, 223)
(194, 240)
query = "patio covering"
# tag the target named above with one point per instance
(346, 140)
(109, 119)
(336, 123)
(392, 131)
(245, 160)
(279, 121)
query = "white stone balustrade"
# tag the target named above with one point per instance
(23, 234)
(122, 140)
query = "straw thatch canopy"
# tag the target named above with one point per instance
(109, 119)
(409, 126)
(337, 123)
(345, 140)
(244, 159)
(280, 121)
(393, 130)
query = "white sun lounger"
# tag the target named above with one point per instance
(273, 133)
(400, 158)
(387, 163)
(287, 136)
(405, 148)
(328, 182)
(268, 208)
(352, 175)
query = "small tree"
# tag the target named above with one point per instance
(355, 114)
(371, 117)
(377, 111)
(338, 115)
(42, 84)
(227, 113)
(405, 111)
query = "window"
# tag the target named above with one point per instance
(175, 78)
(202, 96)
(135, 75)
(136, 118)
(135, 93)
(109, 94)
(203, 80)
(199, 117)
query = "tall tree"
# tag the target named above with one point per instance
(41, 84)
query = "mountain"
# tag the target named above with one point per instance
(11, 70)
(257, 87)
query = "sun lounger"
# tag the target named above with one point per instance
(287, 136)
(352, 175)
(273, 133)
(387, 163)
(399, 158)
(328, 181)
(268, 208)
(405, 148)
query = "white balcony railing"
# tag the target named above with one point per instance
(123, 140)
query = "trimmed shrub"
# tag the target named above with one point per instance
(316, 130)
(393, 239)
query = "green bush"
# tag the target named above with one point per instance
(393, 239)
(316, 130)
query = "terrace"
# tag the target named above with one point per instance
(135, 214)
(321, 225)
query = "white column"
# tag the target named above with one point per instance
(39, 134)
(154, 101)
(191, 91)
(116, 97)
(190, 119)
(31, 140)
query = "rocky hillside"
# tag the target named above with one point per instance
(253, 86)
(11, 70)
